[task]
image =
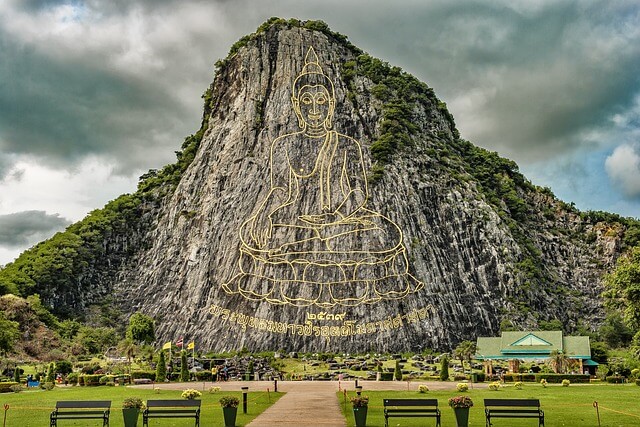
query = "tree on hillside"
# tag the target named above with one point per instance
(465, 351)
(9, 333)
(614, 331)
(623, 290)
(161, 368)
(141, 328)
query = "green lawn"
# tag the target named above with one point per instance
(563, 406)
(32, 408)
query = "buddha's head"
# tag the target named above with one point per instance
(313, 97)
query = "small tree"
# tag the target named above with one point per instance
(465, 351)
(16, 374)
(161, 368)
(184, 369)
(444, 368)
(51, 373)
(397, 373)
(251, 369)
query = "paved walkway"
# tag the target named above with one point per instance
(309, 403)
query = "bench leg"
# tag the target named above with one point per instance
(386, 421)
(53, 422)
(438, 420)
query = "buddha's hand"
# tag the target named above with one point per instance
(261, 230)
(322, 219)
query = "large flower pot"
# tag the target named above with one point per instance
(360, 415)
(229, 416)
(130, 416)
(462, 416)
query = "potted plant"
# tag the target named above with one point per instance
(360, 406)
(229, 410)
(131, 407)
(461, 405)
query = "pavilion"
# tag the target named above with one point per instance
(515, 346)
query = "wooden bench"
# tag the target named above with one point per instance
(513, 408)
(81, 410)
(172, 409)
(411, 408)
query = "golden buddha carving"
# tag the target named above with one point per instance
(313, 241)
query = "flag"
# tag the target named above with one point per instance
(191, 345)
(179, 342)
(167, 346)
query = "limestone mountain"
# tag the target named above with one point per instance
(328, 202)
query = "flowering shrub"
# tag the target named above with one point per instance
(360, 401)
(543, 382)
(460, 402)
(518, 385)
(494, 386)
(190, 394)
(214, 389)
(565, 383)
(462, 387)
(133, 402)
(229, 402)
(423, 388)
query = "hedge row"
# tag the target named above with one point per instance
(6, 386)
(150, 375)
(551, 378)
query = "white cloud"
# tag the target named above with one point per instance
(623, 168)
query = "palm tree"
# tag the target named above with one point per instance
(129, 349)
(465, 351)
(560, 362)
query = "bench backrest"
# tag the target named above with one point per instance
(410, 402)
(75, 404)
(512, 402)
(168, 403)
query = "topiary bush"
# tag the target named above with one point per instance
(518, 385)
(494, 386)
(5, 387)
(72, 378)
(423, 388)
(615, 379)
(462, 387)
(566, 383)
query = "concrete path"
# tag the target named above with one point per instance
(307, 403)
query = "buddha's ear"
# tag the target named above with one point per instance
(296, 109)
(328, 123)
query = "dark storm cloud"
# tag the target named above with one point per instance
(28, 227)
(64, 111)
(529, 79)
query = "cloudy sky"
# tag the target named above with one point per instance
(93, 93)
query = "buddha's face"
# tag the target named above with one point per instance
(314, 106)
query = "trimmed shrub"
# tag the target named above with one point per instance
(566, 383)
(638, 382)
(91, 380)
(615, 379)
(508, 378)
(16, 388)
(72, 378)
(6, 386)
(480, 376)
(459, 377)
(462, 387)
(518, 385)
(49, 386)
(494, 386)
(558, 378)
(151, 375)
(204, 376)
(386, 376)
(190, 394)
(423, 388)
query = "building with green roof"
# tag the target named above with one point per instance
(515, 346)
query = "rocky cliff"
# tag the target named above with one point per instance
(482, 243)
